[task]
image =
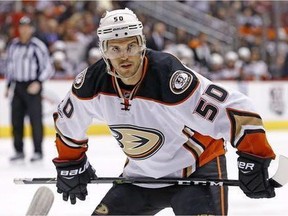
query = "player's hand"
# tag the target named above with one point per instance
(72, 178)
(253, 176)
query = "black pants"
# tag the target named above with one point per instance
(128, 199)
(26, 104)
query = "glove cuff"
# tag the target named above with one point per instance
(68, 163)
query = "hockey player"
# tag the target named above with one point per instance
(169, 121)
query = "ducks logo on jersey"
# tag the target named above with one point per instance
(137, 142)
(180, 81)
(79, 80)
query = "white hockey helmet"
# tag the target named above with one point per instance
(118, 24)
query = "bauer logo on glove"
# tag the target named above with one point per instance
(245, 167)
(75, 171)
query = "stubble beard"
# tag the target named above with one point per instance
(132, 77)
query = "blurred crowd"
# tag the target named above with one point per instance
(68, 28)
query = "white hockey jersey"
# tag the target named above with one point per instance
(173, 121)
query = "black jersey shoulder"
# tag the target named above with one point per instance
(92, 80)
(167, 80)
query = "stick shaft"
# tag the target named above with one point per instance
(281, 177)
(121, 180)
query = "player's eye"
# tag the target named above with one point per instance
(115, 50)
(133, 48)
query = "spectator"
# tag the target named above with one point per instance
(277, 69)
(63, 68)
(52, 33)
(181, 36)
(183, 52)
(28, 66)
(255, 68)
(231, 71)
(201, 49)
(244, 54)
(94, 55)
(58, 45)
(47, 29)
(93, 43)
(216, 64)
(250, 25)
(157, 39)
(285, 67)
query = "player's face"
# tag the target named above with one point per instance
(124, 55)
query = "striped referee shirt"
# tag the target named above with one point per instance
(28, 62)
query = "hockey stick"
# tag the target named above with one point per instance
(281, 177)
(41, 202)
(122, 180)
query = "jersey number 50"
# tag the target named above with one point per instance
(209, 110)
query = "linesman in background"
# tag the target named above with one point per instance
(28, 66)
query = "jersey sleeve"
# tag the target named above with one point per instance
(226, 114)
(77, 111)
(72, 120)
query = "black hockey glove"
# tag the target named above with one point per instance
(72, 178)
(253, 176)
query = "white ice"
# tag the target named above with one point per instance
(105, 155)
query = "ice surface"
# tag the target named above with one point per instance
(108, 159)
